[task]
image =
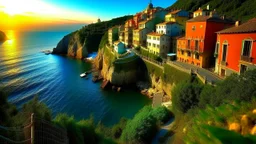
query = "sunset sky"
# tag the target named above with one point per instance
(61, 14)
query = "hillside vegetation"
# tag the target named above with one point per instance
(86, 40)
(236, 9)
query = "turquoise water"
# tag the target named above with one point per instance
(25, 72)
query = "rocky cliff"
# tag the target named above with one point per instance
(70, 45)
(2, 36)
(117, 74)
(79, 43)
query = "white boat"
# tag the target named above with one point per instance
(83, 75)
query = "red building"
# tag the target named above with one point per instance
(236, 49)
(137, 19)
(200, 40)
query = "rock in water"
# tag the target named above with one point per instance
(2, 36)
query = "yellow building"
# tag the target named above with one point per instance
(178, 16)
(140, 37)
(112, 35)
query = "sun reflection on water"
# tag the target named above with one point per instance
(10, 51)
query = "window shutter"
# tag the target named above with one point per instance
(242, 47)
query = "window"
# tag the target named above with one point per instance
(193, 28)
(224, 52)
(154, 45)
(149, 37)
(188, 43)
(243, 68)
(157, 46)
(247, 45)
(189, 54)
(196, 45)
(182, 52)
(158, 38)
(154, 38)
(217, 48)
(197, 56)
(162, 39)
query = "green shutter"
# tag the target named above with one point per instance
(242, 48)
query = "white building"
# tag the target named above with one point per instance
(169, 28)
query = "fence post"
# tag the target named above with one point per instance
(32, 129)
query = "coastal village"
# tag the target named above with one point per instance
(203, 40)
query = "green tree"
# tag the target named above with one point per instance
(186, 96)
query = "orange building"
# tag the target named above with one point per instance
(236, 49)
(200, 40)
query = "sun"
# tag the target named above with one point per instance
(14, 7)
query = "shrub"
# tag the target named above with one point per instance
(185, 96)
(143, 127)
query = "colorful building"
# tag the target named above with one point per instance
(140, 37)
(200, 40)
(113, 35)
(158, 44)
(178, 16)
(201, 12)
(236, 49)
(119, 47)
(169, 29)
(121, 30)
(128, 32)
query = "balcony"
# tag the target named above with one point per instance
(223, 63)
(246, 58)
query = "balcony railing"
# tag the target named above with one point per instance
(246, 58)
(224, 63)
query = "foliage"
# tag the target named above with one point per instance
(209, 124)
(92, 34)
(7, 110)
(185, 96)
(104, 41)
(153, 69)
(236, 9)
(233, 88)
(173, 75)
(143, 127)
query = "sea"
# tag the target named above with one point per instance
(25, 72)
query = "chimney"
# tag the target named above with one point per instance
(237, 23)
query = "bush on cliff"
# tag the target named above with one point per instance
(185, 96)
(143, 127)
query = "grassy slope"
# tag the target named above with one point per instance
(236, 9)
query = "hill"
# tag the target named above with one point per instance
(236, 9)
(87, 39)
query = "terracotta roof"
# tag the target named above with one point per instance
(174, 12)
(154, 34)
(166, 23)
(247, 27)
(145, 21)
(209, 19)
(180, 37)
(200, 10)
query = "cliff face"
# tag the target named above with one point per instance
(70, 46)
(158, 85)
(2, 36)
(111, 72)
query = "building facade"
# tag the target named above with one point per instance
(158, 44)
(236, 49)
(140, 37)
(178, 16)
(169, 28)
(113, 35)
(200, 40)
(119, 47)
